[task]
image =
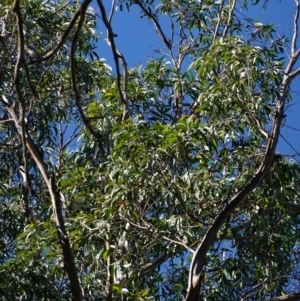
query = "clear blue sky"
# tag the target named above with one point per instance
(137, 41)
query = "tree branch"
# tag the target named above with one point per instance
(116, 54)
(21, 120)
(198, 260)
(178, 242)
(149, 267)
(295, 36)
(229, 18)
(50, 181)
(156, 24)
(288, 297)
(66, 33)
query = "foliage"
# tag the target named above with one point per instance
(144, 182)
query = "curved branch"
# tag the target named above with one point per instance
(50, 181)
(85, 119)
(288, 297)
(149, 267)
(156, 24)
(65, 34)
(57, 210)
(198, 261)
(21, 120)
(116, 54)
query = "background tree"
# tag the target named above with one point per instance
(158, 182)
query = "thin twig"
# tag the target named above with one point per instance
(178, 242)
(291, 146)
(292, 128)
(116, 54)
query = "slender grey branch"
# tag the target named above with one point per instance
(295, 73)
(219, 19)
(112, 10)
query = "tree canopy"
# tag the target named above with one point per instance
(154, 182)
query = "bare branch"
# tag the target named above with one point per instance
(219, 19)
(159, 30)
(295, 35)
(21, 125)
(296, 72)
(149, 267)
(288, 297)
(229, 18)
(112, 10)
(57, 210)
(178, 242)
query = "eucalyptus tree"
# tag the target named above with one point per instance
(155, 182)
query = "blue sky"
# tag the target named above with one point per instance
(137, 41)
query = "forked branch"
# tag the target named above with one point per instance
(198, 260)
(19, 120)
